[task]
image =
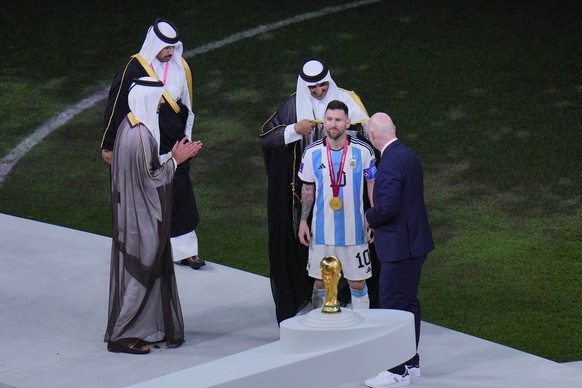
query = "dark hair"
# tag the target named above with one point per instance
(336, 104)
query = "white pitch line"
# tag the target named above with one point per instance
(10, 160)
(273, 26)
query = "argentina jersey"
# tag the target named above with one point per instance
(344, 226)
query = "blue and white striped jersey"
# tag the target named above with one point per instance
(345, 226)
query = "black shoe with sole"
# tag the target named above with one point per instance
(195, 262)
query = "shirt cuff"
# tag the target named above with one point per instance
(290, 135)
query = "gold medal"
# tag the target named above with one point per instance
(335, 203)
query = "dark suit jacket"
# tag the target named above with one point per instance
(399, 217)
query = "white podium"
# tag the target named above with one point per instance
(315, 350)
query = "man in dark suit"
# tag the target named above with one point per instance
(401, 232)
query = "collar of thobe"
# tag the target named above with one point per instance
(148, 67)
(156, 64)
(319, 107)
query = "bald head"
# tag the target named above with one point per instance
(381, 129)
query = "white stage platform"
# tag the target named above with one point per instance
(53, 293)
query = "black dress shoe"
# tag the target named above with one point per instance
(196, 262)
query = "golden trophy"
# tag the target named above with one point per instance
(331, 269)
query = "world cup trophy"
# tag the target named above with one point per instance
(331, 269)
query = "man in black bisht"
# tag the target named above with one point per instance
(297, 122)
(161, 57)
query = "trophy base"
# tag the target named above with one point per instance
(331, 308)
(320, 332)
(326, 320)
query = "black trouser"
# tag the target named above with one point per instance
(399, 283)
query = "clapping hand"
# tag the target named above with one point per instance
(184, 150)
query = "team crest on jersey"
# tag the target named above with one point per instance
(353, 163)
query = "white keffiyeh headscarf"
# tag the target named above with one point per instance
(143, 98)
(162, 34)
(313, 72)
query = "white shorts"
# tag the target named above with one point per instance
(355, 259)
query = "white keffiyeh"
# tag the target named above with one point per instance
(143, 99)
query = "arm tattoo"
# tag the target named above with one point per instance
(307, 198)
